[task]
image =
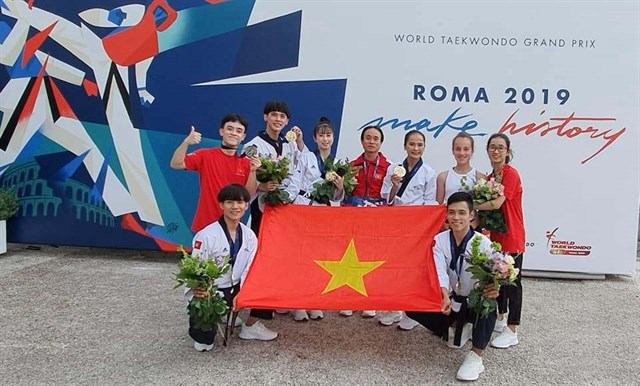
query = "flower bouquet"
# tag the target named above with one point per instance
(483, 191)
(488, 267)
(324, 192)
(205, 312)
(274, 169)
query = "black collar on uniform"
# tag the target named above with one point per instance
(276, 144)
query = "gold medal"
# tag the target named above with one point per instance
(399, 171)
(290, 136)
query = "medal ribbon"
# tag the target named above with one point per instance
(234, 245)
(405, 181)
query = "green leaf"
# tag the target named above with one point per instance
(194, 273)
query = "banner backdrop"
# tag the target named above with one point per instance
(96, 95)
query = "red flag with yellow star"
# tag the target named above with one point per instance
(345, 258)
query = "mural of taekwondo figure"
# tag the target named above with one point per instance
(134, 43)
(32, 73)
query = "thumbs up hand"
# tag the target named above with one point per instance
(193, 138)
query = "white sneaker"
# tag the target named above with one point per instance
(505, 339)
(390, 318)
(471, 367)
(201, 347)
(467, 332)
(282, 312)
(238, 322)
(500, 324)
(316, 314)
(368, 314)
(300, 315)
(257, 331)
(346, 313)
(407, 323)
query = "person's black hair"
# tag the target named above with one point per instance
(506, 140)
(323, 126)
(412, 132)
(375, 128)
(461, 197)
(235, 118)
(233, 192)
(277, 106)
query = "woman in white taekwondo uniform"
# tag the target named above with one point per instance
(449, 250)
(412, 184)
(312, 168)
(312, 165)
(462, 176)
(228, 237)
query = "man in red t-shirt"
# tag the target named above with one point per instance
(217, 167)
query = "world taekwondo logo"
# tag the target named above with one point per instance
(565, 247)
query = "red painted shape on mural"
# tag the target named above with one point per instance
(33, 44)
(33, 95)
(130, 223)
(63, 106)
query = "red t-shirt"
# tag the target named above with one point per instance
(512, 241)
(215, 170)
(370, 184)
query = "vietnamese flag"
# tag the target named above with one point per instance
(345, 258)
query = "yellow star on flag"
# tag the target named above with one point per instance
(348, 271)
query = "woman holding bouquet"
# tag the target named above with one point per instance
(462, 176)
(413, 183)
(513, 240)
(312, 167)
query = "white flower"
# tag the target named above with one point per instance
(399, 171)
(331, 176)
(509, 259)
(290, 136)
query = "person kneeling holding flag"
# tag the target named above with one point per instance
(449, 251)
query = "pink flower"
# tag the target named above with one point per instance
(503, 268)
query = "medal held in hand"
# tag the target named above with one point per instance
(290, 136)
(399, 171)
(250, 151)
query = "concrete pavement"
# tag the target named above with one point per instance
(92, 316)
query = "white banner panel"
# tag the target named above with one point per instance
(561, 78)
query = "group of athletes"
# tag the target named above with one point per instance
(229, 187)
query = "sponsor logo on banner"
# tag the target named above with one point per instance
(558, 246)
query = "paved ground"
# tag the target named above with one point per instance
(88, 316)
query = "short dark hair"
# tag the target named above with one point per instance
(278, 106)
(506, 140)
(412, 132)
(233, 192)
(235, 118)
(463, 134)
(323, 126)
(461, 197)
(375, 128)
